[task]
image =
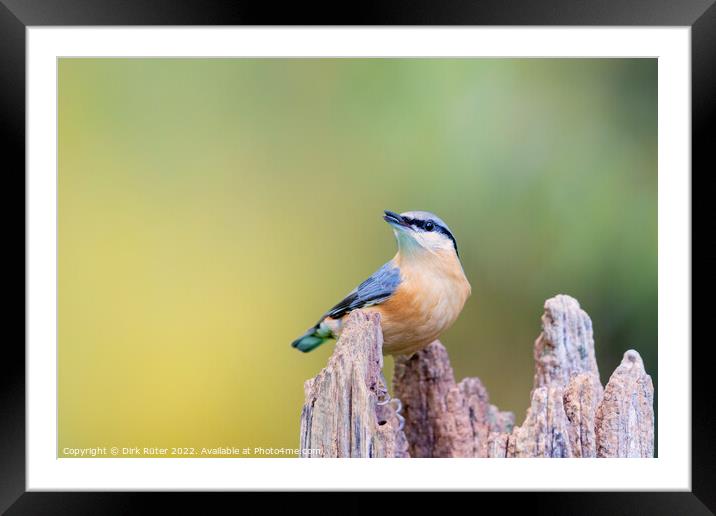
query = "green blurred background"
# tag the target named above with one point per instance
(210, 210)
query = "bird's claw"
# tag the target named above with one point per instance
(383, 395)
(384, 398)
(384, 401)
(398, 415)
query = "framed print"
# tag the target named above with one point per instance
(436, 249)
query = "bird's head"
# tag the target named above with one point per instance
(420, 231)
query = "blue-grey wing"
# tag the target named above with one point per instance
(376, 289)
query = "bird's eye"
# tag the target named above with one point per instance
(429, 225)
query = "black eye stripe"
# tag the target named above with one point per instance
(420, 224)
(445, 232)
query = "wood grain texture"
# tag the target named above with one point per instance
(624, 424)
(566, 387)
(443, 418)
(580, 404)
(566, 345)
(341, 416)
(570, 413)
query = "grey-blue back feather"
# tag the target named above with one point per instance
(376, 289)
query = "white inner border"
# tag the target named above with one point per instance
(671, 470)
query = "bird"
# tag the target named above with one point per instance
(419, 293)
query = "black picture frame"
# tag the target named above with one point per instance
(16, 15)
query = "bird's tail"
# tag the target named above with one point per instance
(312, 338)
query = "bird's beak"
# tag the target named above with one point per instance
(395, 220)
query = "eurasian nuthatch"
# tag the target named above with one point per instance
(419, 293)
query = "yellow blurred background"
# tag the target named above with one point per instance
(210, 210)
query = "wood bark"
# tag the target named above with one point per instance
(566, 345)
(566, 387)
(444, 418)
(341, 416)
(625, 415)
(570, 413)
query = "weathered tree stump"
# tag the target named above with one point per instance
(570, 414)
(560, 420)
(341, 416)
(443, 418)
(625, 415)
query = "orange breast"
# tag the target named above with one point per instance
(426, 303)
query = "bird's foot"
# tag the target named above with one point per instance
(398, 415)
(384, 398)
(382, 391)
